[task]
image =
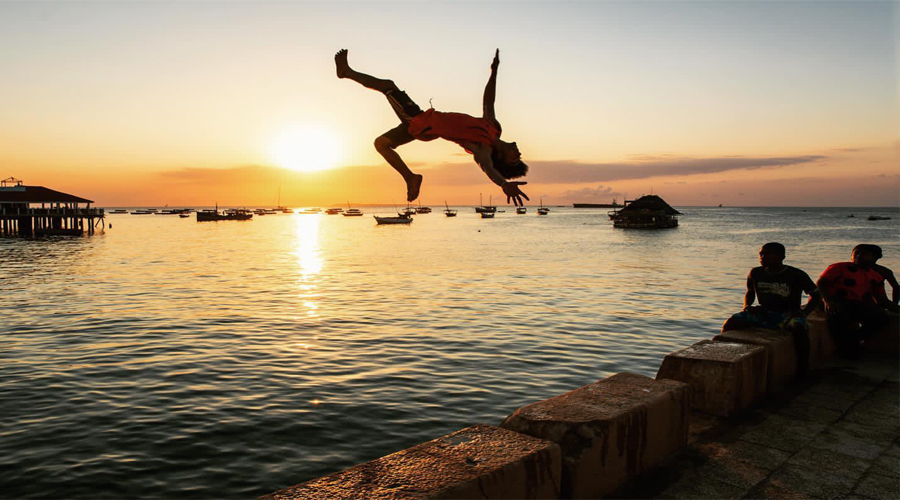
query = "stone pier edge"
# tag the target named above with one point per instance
(625, 485)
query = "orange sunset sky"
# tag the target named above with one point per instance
(196, 103)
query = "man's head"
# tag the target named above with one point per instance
(507, 159)
(876, 252)
(863, 256)
(771, 255)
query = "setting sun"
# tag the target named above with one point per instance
(305, 149)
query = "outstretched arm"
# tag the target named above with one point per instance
(490, 90)
(482, 156)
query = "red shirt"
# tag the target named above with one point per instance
(851, 282)
(454, 127)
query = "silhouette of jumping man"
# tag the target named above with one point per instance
(480, 137)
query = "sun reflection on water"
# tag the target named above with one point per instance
(309, 262)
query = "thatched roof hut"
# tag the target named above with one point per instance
(646, 212)
(649, 203)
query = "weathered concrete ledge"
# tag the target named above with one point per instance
(726, 378)
(481, 461)
(886, 343)
(781, 368)
(598, 439)
(821, 344)
(609, 431)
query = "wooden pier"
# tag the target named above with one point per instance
(36, 211)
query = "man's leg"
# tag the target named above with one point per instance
(345, 71)
(845, 332)
(799, 328)
(385, 144)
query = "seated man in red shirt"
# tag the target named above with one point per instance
(498, 159)
(855, 301)
(779, 289)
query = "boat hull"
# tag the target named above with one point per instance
(392, 220)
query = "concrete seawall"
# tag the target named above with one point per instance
(615, 436)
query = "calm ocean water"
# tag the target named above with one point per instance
(170, 358)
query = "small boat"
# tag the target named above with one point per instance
(142, 212)
(260, 211)
(543, 210)
(484, 208)
(409, 210)
(184, 215)
(487, 215)
(119, 211)
(279, 208)
(334, 211)
(352, 212)
(230, 214)
(877, 217)
(270, 211)
(521, 210)
(401, 218)
(448, 212)
(614, 204)
(423, 210)
(310, 211)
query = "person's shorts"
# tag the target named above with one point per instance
(760, 318)
(406, 109)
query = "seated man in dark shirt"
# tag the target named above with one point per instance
(855, 301)
(779, 289)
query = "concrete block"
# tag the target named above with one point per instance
(886, 342)
(821, 344)
(481, 461)
(726, 377)
(609, 431)
(781, 367)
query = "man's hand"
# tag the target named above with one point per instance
(513, 192)
(496, 61)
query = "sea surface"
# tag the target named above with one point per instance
(166, 358)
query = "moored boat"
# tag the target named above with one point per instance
(399, 219)
(482, 208)
(543, 210)
(521, 210)
(230, 214)
(448, 212)
(487, 215)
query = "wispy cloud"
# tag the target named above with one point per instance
(570, 172)
(566, 172)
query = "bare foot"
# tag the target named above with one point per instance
(412, 187)
(340, 60)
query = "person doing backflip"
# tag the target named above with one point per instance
(499, 160)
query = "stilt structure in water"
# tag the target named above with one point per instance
(36, 210)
